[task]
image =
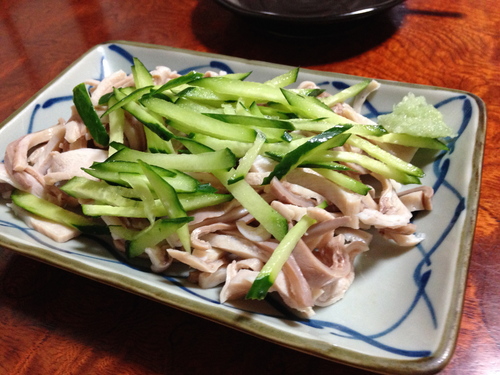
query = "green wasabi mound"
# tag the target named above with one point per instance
(414, 116)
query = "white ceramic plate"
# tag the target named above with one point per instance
(402, 312)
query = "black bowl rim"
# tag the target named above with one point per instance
(327, 17)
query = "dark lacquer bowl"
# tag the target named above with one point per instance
(314, 12)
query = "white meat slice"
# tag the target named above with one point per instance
(194, 261)
(163, 74)
(65, 165)
(417, 199)
(391, 212)
(239, 278)
(55, 231)
(116, 79)
(199, 243)
(160, 260)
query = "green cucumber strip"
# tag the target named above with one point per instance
(331, 165)
(123, 232)
(254, 110)
(206, 162)
(237, 76)
(344, 181)
(104, 100)
(189, 201)
(168, 197)
(136, 94)
(193, 146)
(239, 149)
(192, 122)
(129, 167)
(384, 156)
(321, 142)
(246, 195)
(203, 95)
(195, 106)
(247, 120)
(100, 191)
(116, 126)
(195, 201)
(284, 79)
(110, 171)
(142, 76)
(308, 92)
(410, 141)
(267, 275)
(228, 108)
(346, 94)
(156, 144)
(176, 82)
(154, 234)
(145, 117)
(321, 124)
(87, 112)
(272, 112)
(368, 163)
(144, 191)
(284, 147)
(50, 211)
(311, 107)
(253, 91)
(245, 163)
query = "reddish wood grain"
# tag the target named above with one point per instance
(54, 322)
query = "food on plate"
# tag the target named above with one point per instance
(255, 186)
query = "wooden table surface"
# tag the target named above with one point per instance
(55, 322)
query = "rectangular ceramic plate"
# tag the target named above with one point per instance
(402, 312)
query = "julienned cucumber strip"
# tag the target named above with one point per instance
(110, 171)
(206, 162)
(142, 77)
(168, 197)
(312, 108)
(189, 201)
(145, 117)
(89, 116)
(52, 212)
(267, 276)
(100, 191)
(267, 216)
(116, 125)
(176, 82)
(321, 124)
(136, 94)
(142, 187)
(284, 79)
(154, 235)
(384, 156)
(245, 163)
(252, 91)
(368, 163)
(324, 141)
(346, 94)
(203, 96)
(344, 181)
(260, 122)
(192, 122)
(239, 149)
(410, 141)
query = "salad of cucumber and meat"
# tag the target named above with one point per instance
(255, 186)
